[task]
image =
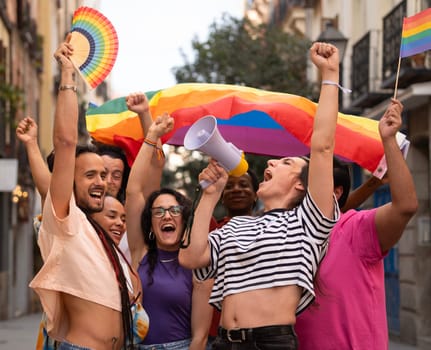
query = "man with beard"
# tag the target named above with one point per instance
(81, 285)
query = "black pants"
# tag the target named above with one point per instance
(260, 338)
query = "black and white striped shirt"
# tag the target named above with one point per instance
(279, 248)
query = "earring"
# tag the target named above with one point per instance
(151, 236)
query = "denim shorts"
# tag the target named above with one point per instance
(64, 345)
(176, 345)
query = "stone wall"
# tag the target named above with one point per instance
(415, 246)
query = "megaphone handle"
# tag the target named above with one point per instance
(204, 184)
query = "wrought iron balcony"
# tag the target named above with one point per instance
(366, 90)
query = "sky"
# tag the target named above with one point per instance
(151, 34)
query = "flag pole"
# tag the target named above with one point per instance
(396, 79)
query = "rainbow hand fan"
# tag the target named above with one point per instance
(95, 44)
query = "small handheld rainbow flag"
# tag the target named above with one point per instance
(416, 35)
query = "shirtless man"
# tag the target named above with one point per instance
(78, 287)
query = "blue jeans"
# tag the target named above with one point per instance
(175, 345)
(68, 346)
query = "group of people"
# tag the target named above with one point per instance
(302, 274)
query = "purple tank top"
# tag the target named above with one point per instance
(168, 300)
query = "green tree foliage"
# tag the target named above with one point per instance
(183, 176)
(236, 52)
(11, 100)
(239, 53)
(11, 97)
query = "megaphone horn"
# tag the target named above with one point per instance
(204, 135)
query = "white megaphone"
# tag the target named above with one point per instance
(203, 135)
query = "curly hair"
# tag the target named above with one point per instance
(146, 224)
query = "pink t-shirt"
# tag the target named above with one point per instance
(349, 311)
(75, 263)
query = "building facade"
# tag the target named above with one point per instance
(21, 61)
(369, 68)
(30, 31)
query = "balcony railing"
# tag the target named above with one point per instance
(366, 91)
(361, 67)
(392, 28)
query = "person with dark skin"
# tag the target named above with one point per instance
(239, 195)
(238, 198)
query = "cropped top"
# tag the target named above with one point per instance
(75, 263)
(140, 323)
(279, 248)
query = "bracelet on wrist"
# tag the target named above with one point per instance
(150, 143)
(330, 82)
(67, 87)
(160, 153)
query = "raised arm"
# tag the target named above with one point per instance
(320, 178)
(138, 102)
(392, 218)
(65, 136)
(26, 132)
(144, 178)
(362, 193)
(197, 254)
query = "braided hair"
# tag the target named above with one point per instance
(112, 251)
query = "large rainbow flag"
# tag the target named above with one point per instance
(416, 34)
(255, 121)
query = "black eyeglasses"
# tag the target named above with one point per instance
(159, 212)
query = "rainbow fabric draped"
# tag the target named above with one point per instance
(255, 121)
(416, 35)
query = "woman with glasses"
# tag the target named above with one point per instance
(177, 305)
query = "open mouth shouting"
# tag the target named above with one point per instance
(97, 194)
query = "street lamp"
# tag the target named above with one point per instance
(333, 36)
